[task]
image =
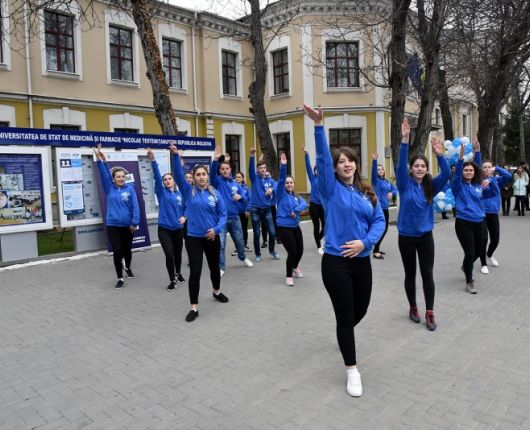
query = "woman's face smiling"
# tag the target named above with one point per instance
(418, 169)
(345, 169)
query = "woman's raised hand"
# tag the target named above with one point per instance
(150, 154)
(437, 146)
(316, 115)
(283, 158)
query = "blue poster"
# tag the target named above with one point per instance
(21, 189)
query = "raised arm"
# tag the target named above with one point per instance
(505, 176)
(214, 167)
(252, 166)
(308, 168)
(440, 180)
(402, 174)
(456, 182)
(374, 168)
(280, 188)
(477, 157)
(178, 173)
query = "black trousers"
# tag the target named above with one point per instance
(316, 212)
(196, 246)
(293, 242)
(506, 204)
(470, 235)
(378, 244)
(120, 239)
(424, 247)
(348, 282)
(519, 204)
(244, 225)
(172, 242)
(491, 226)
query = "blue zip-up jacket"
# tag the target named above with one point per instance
(382, 187)
(492, 205)
(244, 204)
(227, 188)
(314, 197)
(349, 213)
(288, 203)
(416, 214)
(123, 209)
(170, 203)
(205, 211)
(258, 199)
(469, 197)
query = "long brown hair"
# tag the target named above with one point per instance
(211, 189)
(358, 183)
(428, 191)
(477, 176)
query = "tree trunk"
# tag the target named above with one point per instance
(522, 144)
(498, 157)
(398, 73)
(445, 107)
(155, 72)
(257, 91)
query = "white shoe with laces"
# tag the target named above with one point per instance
(247, 262)
(298, 273)
(493, 261)
(485, 270)
(321, 251)
(354, 387)
(222, 272)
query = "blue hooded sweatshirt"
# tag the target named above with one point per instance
(123, 209)
(350, 214)
(416, 214)
(288, 203)
(227, 188)
(469, 197)
(258, 199)
(492, 205)
(206, 209)
(314, 197)
(382, 187)
(170, 202)
(244, 204)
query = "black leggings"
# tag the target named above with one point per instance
(470, 235)
(171, 242)
(378, 244)
(120, 239)
(493, 228)
(348, 282)
(244, 225)
(212, 249)
(293, 242)
(316, 212)
(424, 247)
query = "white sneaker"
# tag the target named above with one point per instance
(493, 261)
(289, 282)
(222, 272)
(247, 262)
(321, 251)
(298, 273)
(354, 387)
(484, 269)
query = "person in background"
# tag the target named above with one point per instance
(243, 209)
(123, 215)
(385, 192)
(506, 194)
(520, 181)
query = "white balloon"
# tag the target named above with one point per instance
(449, 207)
(468, 157)
(441, 195)
(464, 140)
(440, 204)
(447, 144)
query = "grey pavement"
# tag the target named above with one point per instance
(75, 353)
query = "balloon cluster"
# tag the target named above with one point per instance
(444, 201)
(452, 150)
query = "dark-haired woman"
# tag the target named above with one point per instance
(469, 190)
(243, 209)
(123, 215)
(417, 189)
(171, 221)
(354, 223)
(316, 210)
(206, 220)
(290, 206)
(385, 191)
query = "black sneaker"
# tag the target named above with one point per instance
(180, 278)
(129, 273)
(192, 315)
(234, 254)
(171, 286)
(220, 297)
(264, 245)
(119, 285)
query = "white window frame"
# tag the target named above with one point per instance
(183, 125)
(237, 129)
(5, 38)
(172, 32)
(227, 44)
(121, 19)
(337, 35)
(277, 44)
(8, 114)
(284, 126)
(64, 116)
(72, 9)
(126, 120)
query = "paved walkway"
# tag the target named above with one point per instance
(75, 353)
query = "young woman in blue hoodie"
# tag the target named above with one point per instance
(417, 189)
(354, 224)
(123, 215)
(171, 221)
(385, 191)
(288, 221)
(243, 209)
(316, 210)
(469, 190)
(206, 220)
